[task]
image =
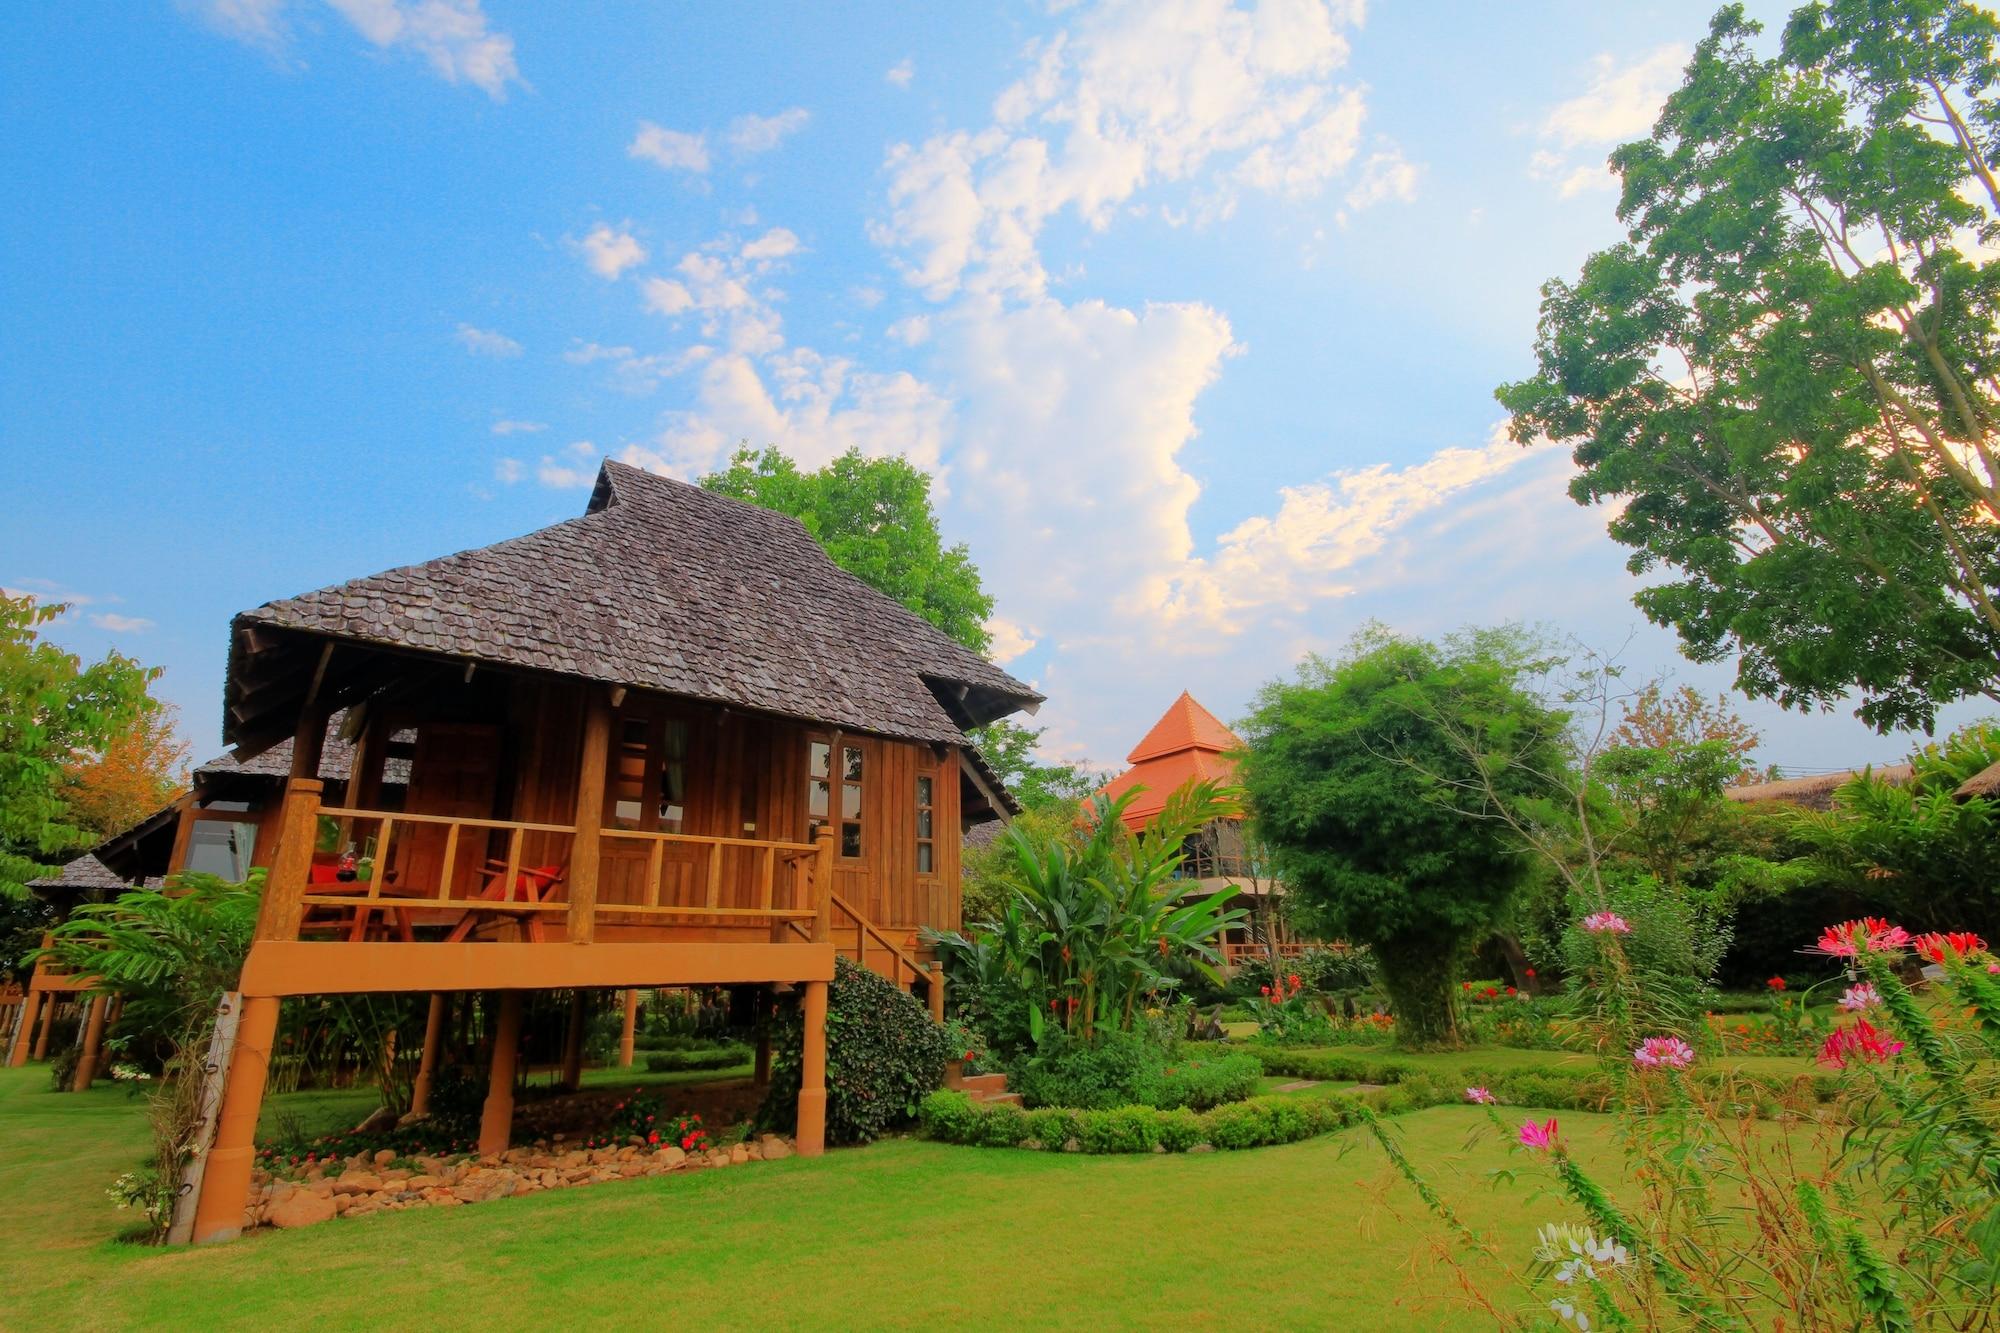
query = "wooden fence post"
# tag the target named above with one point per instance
(823, 883)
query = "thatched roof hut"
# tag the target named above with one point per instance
(1986, 782)
(1816, 792)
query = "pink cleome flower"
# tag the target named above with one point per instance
(1663, 1053)
(1480, 1096)
(1850, 937)
(1862, 1041)
(1858, 997)
(1541, 1137)
(1607, 923)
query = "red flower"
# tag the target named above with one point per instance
(1776, 983)
(1072, 1004)
(1164, 946)
(1510, 990)
(1531, 973)
(1937, 946)
(1861, 1041)
(1466, 984)
(1263, 990)
(967, 1055)
(1293, 980)
(653, 1137)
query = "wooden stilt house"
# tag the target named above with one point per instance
(668, 742)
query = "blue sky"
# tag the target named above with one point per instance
(1195, 309)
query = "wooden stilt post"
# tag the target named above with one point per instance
(937, 991)
(93, 1043)
(31, 1009)
(629, 1035)
(496, 1122)
(50, 1003)
(572, 1075)
(420, 1091)
(225, 1180)
(764, 1002)
(584, 848)
(812, 1074)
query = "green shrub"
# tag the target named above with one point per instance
(679, 1061)
(1125, 1130)
(883, 1056)
(948, 1115)
(1053, 1126)
(1002, 1126)
(1126, 1069)
(1180, 1129)
(952, 1117)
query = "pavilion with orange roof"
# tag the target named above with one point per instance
(1190, 744)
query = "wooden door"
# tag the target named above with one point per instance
(455, 772)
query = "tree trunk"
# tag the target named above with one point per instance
(1422, 981)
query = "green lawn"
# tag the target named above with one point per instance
(902, 1234)
(1509, 1057)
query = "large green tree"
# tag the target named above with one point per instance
(874, 517)
(53, 708)
(1786, 376)
(1009, 749)
(1383, 783)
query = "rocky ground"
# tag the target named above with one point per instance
(362, 1184)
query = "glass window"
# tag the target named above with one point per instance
(850, 801)
(926, 825)
(628, 775)
(822, 777)
(673, 778)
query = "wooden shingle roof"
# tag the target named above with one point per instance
(659, 586)
(85, 874)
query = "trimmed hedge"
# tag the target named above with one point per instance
(1578, 1089)
(1125, 1070)
(727, 1057)
(953, 1117)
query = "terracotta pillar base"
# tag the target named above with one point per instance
(93, 1044)
(496, 1121)
(225, 1182)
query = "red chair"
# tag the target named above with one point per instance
(532, 884)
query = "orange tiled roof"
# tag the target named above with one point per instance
(1187, 744)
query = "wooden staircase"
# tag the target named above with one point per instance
(857, 938)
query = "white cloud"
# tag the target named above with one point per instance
(911, 330)
(506, 427)
(773, 244)
(486, 342)
(118, 624)
(1621, 103)
(1008, 640)
(575, 466)
(760, 134)
(451, 34)
(609, 251)
(811, 406)
(1130, 94)
(259, 23)
(901, 72)
(507, 471)
(664, 296)
(633, 372)
(1384, 176)
(672, 149)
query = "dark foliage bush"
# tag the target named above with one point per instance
(883, 1054)
(952, 1117)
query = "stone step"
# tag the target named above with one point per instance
(984, 1083)
(997, 1098)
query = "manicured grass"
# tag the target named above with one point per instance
(902, 1234)
(1509, 1057)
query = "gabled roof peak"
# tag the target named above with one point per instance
(1186, 725)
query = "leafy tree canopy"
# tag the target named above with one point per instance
(53, 708)
(874, 517)
(1788, 371)
(1009, 750)
(134, 775)
(1378, 780)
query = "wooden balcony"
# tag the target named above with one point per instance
(1235, 954)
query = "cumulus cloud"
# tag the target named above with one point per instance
(1620, 103)
(609, 251)
(760, 134)
(452, 36)
(507, 471)
(575, 466)
(118, 624)
(508, 427)
(901, 72)
(1008, 640)
(486, 342)
(1384, 176)
(1130, 94)
(673, 149)
(635, 372)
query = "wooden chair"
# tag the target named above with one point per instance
(356, 922)
(532, 884)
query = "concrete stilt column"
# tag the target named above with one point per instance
(572, 1074)
(225, 1183)
(31, 1009)
(629, 1035)
(49, 1006)
(811, 1131)
(420, 1091)
(93, 1044)
(496, 1122)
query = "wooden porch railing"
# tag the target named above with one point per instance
(798, 904)
(1235, 954)
(387, 824)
